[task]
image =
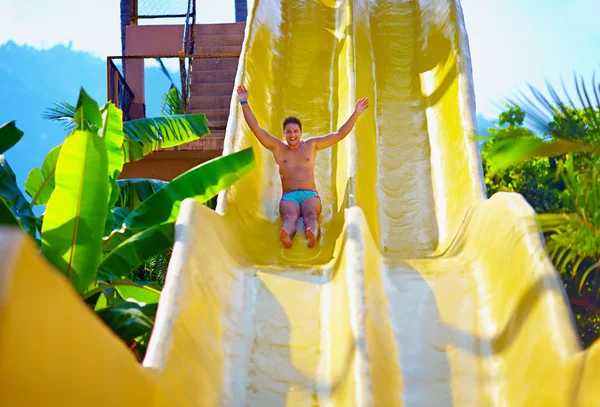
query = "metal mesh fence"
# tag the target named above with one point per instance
(162, 7)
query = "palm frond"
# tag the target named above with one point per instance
(62, 112)
(172, 102)
(571, 242)
(563, 117)
(516, 149)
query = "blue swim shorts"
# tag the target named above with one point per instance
(300, 195)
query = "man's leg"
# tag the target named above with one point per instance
(290, 212)
(311, 209)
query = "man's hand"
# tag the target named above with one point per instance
(361, 105)
(242, 93)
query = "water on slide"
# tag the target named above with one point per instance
(421, 292)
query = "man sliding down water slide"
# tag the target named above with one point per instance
(296, 161)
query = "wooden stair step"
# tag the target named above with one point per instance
(215, 64)
(213, 114)
(213, 77)
(205, 40)
(223, 49)
(211, 142)
(212, 89)
(212, 102)
(216, 118)
(223, 28)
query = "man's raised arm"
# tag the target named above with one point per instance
(324, 142)
(268, 141)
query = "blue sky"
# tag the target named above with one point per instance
(512, 41)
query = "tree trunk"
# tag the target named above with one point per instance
(241, 11)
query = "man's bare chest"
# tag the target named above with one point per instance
(301, 157)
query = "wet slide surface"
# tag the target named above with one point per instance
(421, 292)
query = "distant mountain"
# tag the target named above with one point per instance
(32, 80)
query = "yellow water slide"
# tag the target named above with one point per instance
(421, 292)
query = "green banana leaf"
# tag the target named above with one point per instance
(40, 181)
(87, 113)
(127, 319)
(102, 302)
(9, 136)
(149, 229)
(134, 191)
(126, 257)
(77, 210)
(142, 136)
(112, 132)
(7, 217)
(15, 209)
(108, 289)
(119, 215)
(145, 293)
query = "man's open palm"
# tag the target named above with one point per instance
(361, 105)
(242, 93)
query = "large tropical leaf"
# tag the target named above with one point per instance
(87, 113)
(9, 136)
(112, 132)
(119, 215)
(15, 209)
(126, 257)
(513, 150)
(134, 191)
(129, 320)
(40, 182)
(143, 136)
(76, 213)
(146, 292)
(7, 217)
(143, 293)
(149, 229)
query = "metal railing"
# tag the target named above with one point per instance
(135, 16)
(116, 96)
(187, 48)
(118, 92)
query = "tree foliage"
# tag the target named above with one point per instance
(557, 170)
(105, 235)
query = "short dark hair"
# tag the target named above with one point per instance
(292, 119)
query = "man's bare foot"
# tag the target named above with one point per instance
(284, 236)
(312, 238)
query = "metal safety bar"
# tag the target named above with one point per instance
(118, 92)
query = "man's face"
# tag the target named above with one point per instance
(292, 134)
